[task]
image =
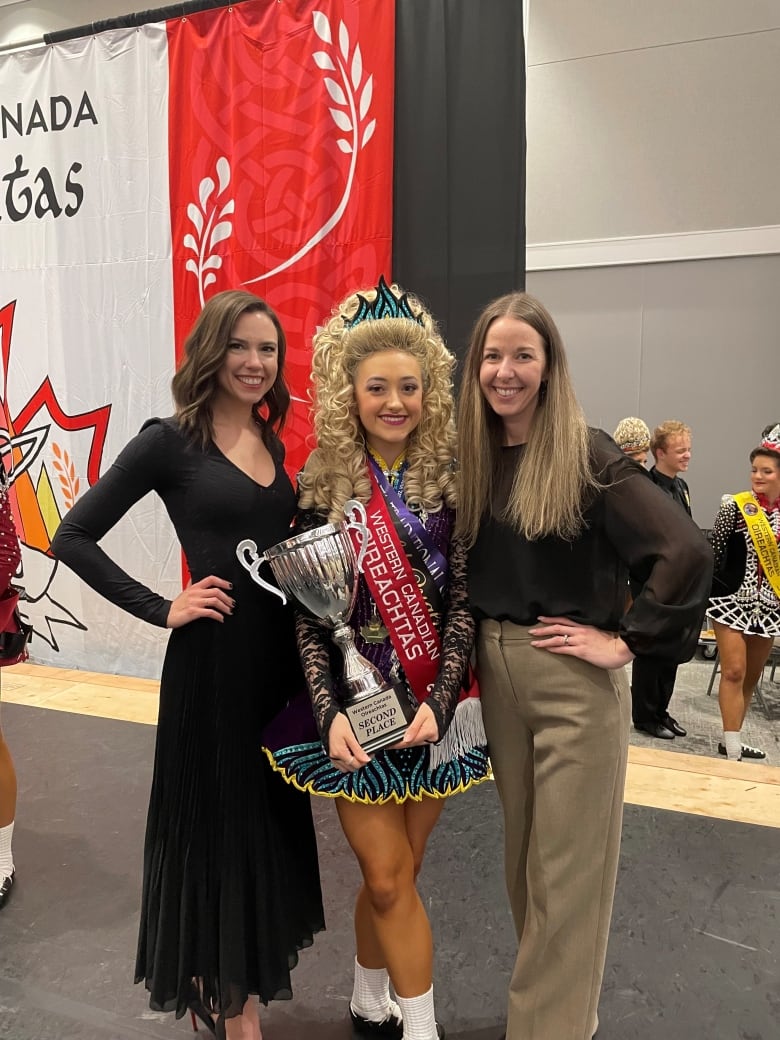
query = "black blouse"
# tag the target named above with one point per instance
(629, 524)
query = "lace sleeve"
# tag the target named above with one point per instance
(316, 649)
(456, 643)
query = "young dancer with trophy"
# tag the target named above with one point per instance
(383, 407)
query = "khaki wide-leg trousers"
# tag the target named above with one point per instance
(557, 732)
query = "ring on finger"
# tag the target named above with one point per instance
(566, 639)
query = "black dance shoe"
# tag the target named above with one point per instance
(5, 888)
(677, 729)
(654, 729)
(392, 1026)
(747, 752)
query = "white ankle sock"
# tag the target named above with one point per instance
(6, 858)
(371, 993)
(733, 742)
(419, 1016)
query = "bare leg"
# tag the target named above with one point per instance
(245, 1026)
(420, 819)
(7, 813)
(389, 900)
(757, 653)
(732, 647)
(7, 785)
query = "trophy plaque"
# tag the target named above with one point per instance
(320, 569)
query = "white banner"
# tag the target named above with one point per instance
(86, 299)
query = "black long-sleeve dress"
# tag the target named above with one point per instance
(231, 885)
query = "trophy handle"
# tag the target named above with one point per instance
(246, 552)
(355, 513)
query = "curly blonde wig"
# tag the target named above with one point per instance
(336, 470)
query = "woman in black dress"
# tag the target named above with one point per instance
(231, 885)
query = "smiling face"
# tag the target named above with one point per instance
(252, 360)
(765, 477)
(511, 372)
(675, 457)
(388, 397)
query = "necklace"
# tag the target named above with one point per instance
(394, 474)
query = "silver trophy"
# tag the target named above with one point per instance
(321, 570)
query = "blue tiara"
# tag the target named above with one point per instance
(385, 305)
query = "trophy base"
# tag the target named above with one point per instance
(380, 718)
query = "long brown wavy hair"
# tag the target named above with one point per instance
(336, 469)
(195, 383)
(550, 488)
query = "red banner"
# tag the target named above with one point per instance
(280, 141)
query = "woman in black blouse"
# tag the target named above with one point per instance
(568, 515)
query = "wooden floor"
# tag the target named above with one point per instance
(706, 786)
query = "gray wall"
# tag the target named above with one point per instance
(654, 133)
(648, 118)
(695, 341)
(28, 21)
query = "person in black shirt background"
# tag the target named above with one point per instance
(652, 679)
(567, 516)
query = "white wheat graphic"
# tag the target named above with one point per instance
(351, 95)
(210, 228)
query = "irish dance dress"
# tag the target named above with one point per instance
(749, 603)
(296, 741)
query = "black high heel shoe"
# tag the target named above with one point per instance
(198, 1010)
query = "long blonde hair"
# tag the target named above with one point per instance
(336, 469)
(551, 486)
